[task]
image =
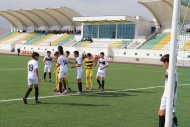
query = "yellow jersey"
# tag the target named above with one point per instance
(58, 69)
(88, 63)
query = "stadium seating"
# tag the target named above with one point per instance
(162, 42)
(184, 42)
(120, 44)
(102, 44)
(64, 39)
(45, 38)
(187, 46)
(26, 35)
(5, 38)
(36, 39)
(151, 43)
(6, 35)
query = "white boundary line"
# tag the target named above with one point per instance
(93, 93)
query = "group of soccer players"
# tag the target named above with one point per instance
(61, 59)
(61, 74)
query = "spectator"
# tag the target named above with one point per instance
(18, 51)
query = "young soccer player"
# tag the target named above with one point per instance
(67, 54)
(162, 111)
(88, 64)
(56, 71)
(33, 77)
(102, 65)
(62, 63)
(78, 66)
(48, 61)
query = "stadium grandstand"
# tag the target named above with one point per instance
(122, 38)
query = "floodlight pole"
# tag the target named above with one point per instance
(173, 60)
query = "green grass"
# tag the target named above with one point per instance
(136, 108)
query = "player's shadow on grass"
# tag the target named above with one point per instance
(118, 94)
(138, 91)
(75, 104)
(109, 95)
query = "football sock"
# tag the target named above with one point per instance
(86, 82)
(175, 123)
(67, 81)
(161, 121)
(36, 93)
(64, 85)
(50, 75)
(91, 83)
(80, 86)
(100, 85)
(60, 87)
(103, 84)
(28, 92)
(45, 75)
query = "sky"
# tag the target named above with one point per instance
(84, 7)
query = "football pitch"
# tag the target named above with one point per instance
(131, 99)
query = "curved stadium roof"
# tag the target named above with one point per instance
(162, 10)
(41, 17)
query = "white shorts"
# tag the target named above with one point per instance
(101, 74)
(47, 69)
(79, 74)
(33, 82)
(62, 75)
(163, 104)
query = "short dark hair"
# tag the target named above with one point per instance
(56, 53)
(102, 53)
(60, 48)
(35, 54)
(67, 52)
(165, 58)
(48, 51)
(89, 54)
(76, 52)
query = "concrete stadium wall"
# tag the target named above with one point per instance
(118, 55)
(143, 28)
(43, 49)
(5, 47)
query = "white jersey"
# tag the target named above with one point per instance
(63, 61)
(48, 61)
(101, 64)
(166, 89)
(79, 61)
(32, 66)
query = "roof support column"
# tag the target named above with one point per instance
(82, 30)
(116, 31)
(12, 28)
(98, 31)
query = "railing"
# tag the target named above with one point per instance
(148, 39)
